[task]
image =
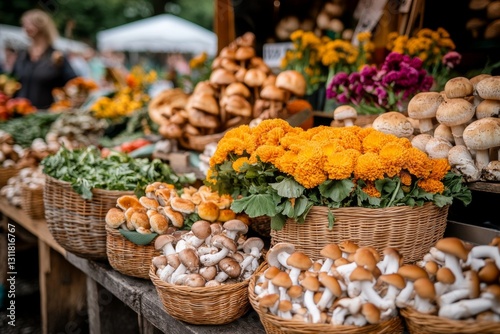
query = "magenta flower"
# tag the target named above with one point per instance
(451, 59)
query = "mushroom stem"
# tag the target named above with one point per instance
(311, 306)
(465, 308)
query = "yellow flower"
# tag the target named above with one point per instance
(371, 190)
(439, 169)
(364, 36)
(431, 185)
(309, 170)
(418, 163)
(340, 165)
(375, 140)
(369, 166)
(267, 153)
(238, 163)
(393, 155)
(286, 163)
(405, 178)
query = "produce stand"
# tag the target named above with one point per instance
(71, 286)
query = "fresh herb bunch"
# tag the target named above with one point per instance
(280, 171)
(86, 169)
(28, 128)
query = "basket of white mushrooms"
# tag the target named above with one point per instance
(202, 278)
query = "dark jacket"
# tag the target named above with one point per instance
(40, 77)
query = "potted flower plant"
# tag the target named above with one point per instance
(284, 172)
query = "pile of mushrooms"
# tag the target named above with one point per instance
(31, 177)
(349, 285)
(208, 255)
(241, 87)
(162, 210)
(459, 281)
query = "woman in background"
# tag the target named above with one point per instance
(41, 68)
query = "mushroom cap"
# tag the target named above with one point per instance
(489, 88)
(272, 93)
(163, 239)
(175, 217)
(230, 266)
(204, 102)
(194, 280)
(431, 267)
(299, 260)
(173, 260)
(458, 87)
(331, 251)
(229, 64)
(345, 112)
(238, 105)
(282, 279)
(221, 77)
(221, 241)
(445, 275)
(348, 246)
(149, 203)
(115, 217)
(201, 229)
(420, 140)
(209, 272)
(393, 279)
(126, 201)
(253, 242)
(444, 132)
(285, 306)
(488, 108)
(159, 223)
(310, 283)
(236, 225)
(227, 52)
(393, 122)
(453, 246)
(204, 87)
(424, 287)
(489, 273)
(271, 272)
(295, 291)
(412, 272)
(364, 258)
(140, 219)
(475, 79)
(438, 148)
(424, 105)
(254, 77)
(361, 274)
(292, 81)
(238, 88)
(454, 112)
(208, 211)
(201, 119)
(482, 134)
(272, 254)
(330, 282)
(269, 300)
(159, 261)
(370, 312)
(226, 214)
(182, 205)
(189, 258)
(244, 53)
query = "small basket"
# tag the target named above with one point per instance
(32, 202)
(420, 323)
(126, 257)
(277, 325)
(78, 225)
(202, 305)
(412, 230)
(6, 173)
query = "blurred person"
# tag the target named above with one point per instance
(79, 64)
(10, 55)
(41, 68)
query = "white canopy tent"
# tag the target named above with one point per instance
(163, 33)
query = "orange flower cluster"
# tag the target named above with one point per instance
(324, 153)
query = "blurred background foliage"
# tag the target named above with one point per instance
(81, 20)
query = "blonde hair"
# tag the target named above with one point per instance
(43, 22)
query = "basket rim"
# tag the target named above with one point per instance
(407, 313)
(94, 190)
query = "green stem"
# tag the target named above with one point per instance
(393, 197)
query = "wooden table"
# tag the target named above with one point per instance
(78, 292)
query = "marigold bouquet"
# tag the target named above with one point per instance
(375, 90)
(281, 171)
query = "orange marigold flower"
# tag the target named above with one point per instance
(375, 140)
(238, 163)
(418, 163)
(405, 178)
(431, 185)
(369, 167)
(371, 190)
(309, 171)
(339, 165)
(440, 168)
(272, 137)
(227, 146)
(393, 155)
(260, 131)
(211, 176)
(267, 153)
(287, 162)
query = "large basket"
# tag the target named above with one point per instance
(126, 257)
(6, 173)
(277, 325)
(78, 225)
(412, 230)
(420, 323)
(32, 202)
(202, 305)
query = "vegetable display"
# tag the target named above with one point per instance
(86, 169)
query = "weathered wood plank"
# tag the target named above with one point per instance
(490, 187)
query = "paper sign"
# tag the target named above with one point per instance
(273, 53)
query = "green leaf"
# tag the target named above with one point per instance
(288, 188)
(442, 201)
(336, 190)
(277, 222)
(255, 205)
(331, 219)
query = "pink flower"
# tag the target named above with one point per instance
(451, 59)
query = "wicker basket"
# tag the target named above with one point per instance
(412, 230)
(78, 225)
(202, 305)
(6, 173)
(420, 323)
(32, 202)
(261, 225)
(277, 325)
(126, 257)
